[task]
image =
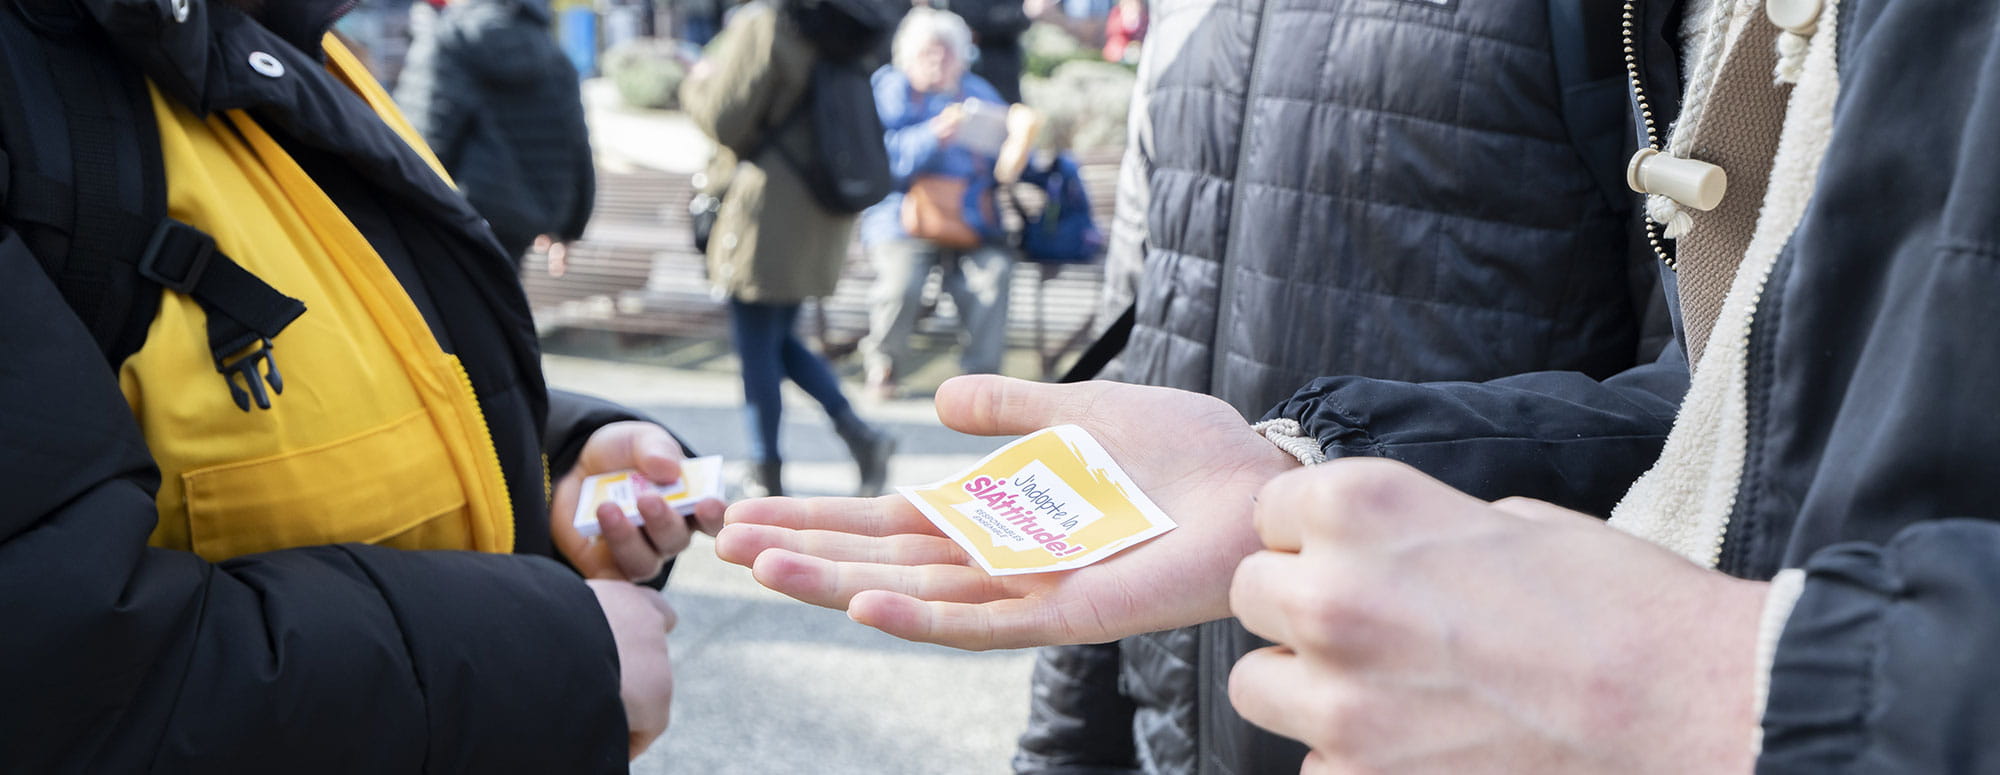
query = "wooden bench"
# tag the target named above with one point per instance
(636, 272)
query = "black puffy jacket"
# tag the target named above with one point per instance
(496, 99)
(1400, 189)
(120, 657)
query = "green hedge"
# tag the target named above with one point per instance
(646, 74)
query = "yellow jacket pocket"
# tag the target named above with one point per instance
(333, 493)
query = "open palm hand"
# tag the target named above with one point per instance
(890, 568)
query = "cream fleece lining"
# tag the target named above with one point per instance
(1779, 601)
(1684, 503)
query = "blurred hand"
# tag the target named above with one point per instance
(558, 254)
(893, 570)
(945, 124)
(640, 620)
(1423, 630)
(625, 551)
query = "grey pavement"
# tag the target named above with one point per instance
(765, 684)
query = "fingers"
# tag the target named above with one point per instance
(742, 543)
(1258, 593)
(708, 514)
(1356, 502)
(1000, 624)
(667, 614)
(886, 515)
(832, 584)
(632, 556)
(1265, 685)
(1317, 763)
(643, 446)
(987, 405)
(1279, 520)
(665, 528)
(655, 454)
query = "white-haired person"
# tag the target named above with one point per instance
(938, 120)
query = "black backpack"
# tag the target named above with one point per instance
(848, 166)
(82, 182)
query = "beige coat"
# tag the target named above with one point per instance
(772, 242)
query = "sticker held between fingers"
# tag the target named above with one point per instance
(701, 479)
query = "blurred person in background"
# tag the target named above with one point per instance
(1084, 20)
(774, 245)
(997, 26)
(943, 214)
(1124, 30)
(697, 21)
(379, 31)
(491, 91)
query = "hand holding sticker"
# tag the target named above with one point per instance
(700, 480)
(893, 569)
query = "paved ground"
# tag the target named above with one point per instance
(769, 685)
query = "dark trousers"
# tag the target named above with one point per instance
(768, 346)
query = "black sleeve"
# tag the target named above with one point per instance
(1079, 723)
(585, 200)
(119, 657)
(1558, 436)
(1887, 661)
(585, 163)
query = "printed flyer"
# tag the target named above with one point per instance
(1052, 500)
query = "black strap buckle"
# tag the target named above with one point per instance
(245, 366)
(176, 256)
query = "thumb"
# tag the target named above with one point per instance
(988, 405)
(1543, 511)
(632, 444)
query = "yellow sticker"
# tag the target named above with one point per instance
(1052, 500)
(701, 479)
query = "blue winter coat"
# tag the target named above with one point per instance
(914, 151)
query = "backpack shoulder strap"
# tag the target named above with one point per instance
(84, 168)
(86, 187)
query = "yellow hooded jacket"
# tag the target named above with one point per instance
(378, 437)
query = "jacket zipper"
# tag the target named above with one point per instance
(1645, 116)
(1205, 634)
(1736, 495)
(1743, 502)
